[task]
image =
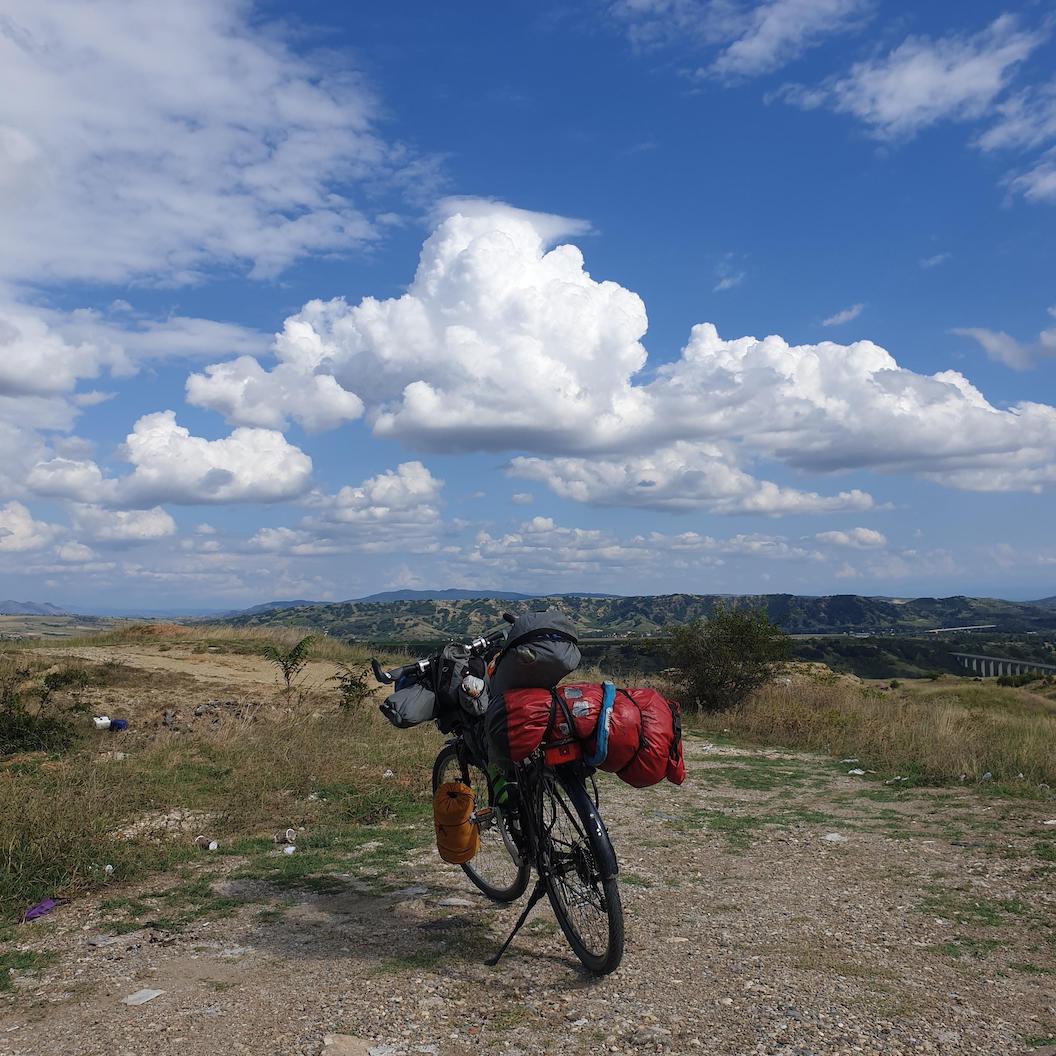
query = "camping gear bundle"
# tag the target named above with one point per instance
(633, 733)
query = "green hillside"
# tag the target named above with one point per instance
(416, 620)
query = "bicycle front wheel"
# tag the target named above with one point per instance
(581, 873)
(492, 869)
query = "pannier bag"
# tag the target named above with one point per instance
(457, 836)
(633, 733)
(409, 705)
(440, 695)
(540, 650)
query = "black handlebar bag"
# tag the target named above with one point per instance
(542, 648)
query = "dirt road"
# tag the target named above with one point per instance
(775, 905)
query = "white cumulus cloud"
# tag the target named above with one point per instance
(121, 527)
(680, 476)
(172, 466)
(19, 531)
(394, 510)
(858, 538)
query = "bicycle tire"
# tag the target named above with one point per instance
(585, 847)
(492, 870)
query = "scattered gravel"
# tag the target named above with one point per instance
(751, 931)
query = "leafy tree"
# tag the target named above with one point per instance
(720, 661)
(290, 662)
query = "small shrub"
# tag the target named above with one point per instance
(352, 685)
(290, 662)
(894, 683)
(1016, 680)
(721, 661)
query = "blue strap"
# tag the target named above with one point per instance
(601, 747)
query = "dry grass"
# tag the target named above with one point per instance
(929, 732)
(62, 817)
(207, 636)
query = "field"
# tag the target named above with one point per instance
(776, 903)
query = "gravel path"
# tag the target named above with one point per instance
(775, 905)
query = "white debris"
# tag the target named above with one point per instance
(895, 780)
(388, 773)
(857, 772)
(141, 997)
(289, 849)
(848, 760)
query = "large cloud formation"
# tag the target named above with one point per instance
(504, 342)
(150, 139)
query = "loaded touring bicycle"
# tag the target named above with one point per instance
(514, 786)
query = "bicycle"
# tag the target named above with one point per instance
(543, 819)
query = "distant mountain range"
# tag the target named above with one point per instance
(385, 596)
(444, 614)
(30, 608)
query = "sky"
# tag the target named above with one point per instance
(629, 296)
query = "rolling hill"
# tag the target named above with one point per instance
(438, 617)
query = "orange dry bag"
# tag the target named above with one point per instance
(457, 836)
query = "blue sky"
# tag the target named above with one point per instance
(636, 296)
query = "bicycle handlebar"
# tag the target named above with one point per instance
(477, 647)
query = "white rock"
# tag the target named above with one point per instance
(834, 837)
(141, 997)
(345, 1045)
(857, 772)
(456, 903)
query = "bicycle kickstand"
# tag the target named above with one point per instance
(537, 894)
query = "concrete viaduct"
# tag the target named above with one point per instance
(991, 666)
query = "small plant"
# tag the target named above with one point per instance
(894, 683)
(292, 661)
(48, 726)
(352, 685)
(721, 661)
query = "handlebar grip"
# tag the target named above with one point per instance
(383, 677)
(509, 617)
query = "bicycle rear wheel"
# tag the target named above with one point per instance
(581, 873)
(493, 869)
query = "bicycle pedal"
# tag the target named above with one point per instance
(483, 816)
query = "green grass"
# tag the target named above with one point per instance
(963, 947)
(965, 910)
(21, 961)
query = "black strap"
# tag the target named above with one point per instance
(557, 701)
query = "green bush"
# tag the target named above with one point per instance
(722, 660)
(46, 724)
(353, 686)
